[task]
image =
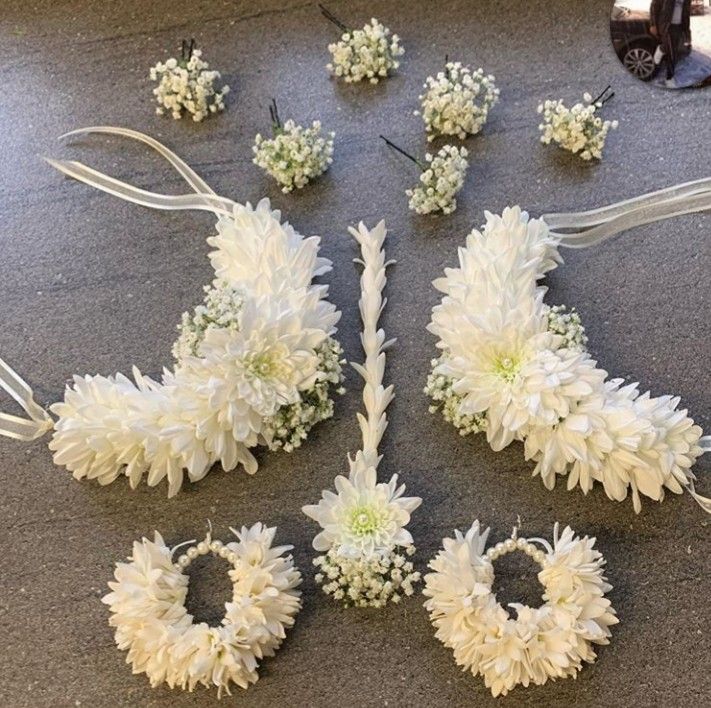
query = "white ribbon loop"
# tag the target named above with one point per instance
(12, 426)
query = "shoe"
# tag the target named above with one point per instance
(671, 83)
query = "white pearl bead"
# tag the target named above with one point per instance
(499, 547)
(183, 561)
(510, 544)
(521, 544)
(539, 556)
(232, 557)
(224, 552)
(192, 552)
(177, 566)
(202, 548)
(215, 546)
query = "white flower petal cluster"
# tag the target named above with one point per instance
(295, 155)
(367, 582)
(147, 603)
(541, 644)
(578, 129)
(370, 53)
(457, 101)
(514, 367)
(256, 346)
(441, 180)
(187, 87)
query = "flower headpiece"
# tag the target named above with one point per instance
(364, 538)
(255, 364)
(517, 369)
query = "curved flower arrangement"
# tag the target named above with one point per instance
(256, 363)
(364, 538)
(516, 369)
(548, 642)
(147, 603)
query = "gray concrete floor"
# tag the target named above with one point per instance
(89, 284)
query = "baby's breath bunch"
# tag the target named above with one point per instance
(568, 325)
(367, 582)
(186, 85)
(295, 154)
(442, 177)
(578, 129)
(370, 53)
(457, 101)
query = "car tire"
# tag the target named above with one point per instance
(638, 59)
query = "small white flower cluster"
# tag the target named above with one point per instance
(441, 180)
(187, 85)
(369, 53)
(220, 309)
(578, 129)
(567, 324)
(440, 389)
(457, 101)
(367, 582)
(295, 154)
(291, 424)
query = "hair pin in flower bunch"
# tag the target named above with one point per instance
(365, 544)
(256, 363)
(294, 155)
(579, 129)
(441, 178)
(457, 101)
(368, 54)
(187, 85)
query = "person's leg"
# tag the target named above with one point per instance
(670, 50)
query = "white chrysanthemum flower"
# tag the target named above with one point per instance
(548, 642)
(147, 602)
(369, 54)
(363, 518)
(295, 155)
(457, 101)
(187, 86)
(441, 180)
(578, 129)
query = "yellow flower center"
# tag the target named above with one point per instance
(507, 367)
(365, 520)
(267, 365)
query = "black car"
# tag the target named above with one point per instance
(634, 43)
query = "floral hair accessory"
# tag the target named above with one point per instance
(187, 85)
(364, 539)
(457, 101)
(548, 642)
(295, 155)
(441, 179)
(255, 364)
(578, 129)
(370, 53)
(517, 369)
(147, 603)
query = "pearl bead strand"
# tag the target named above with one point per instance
(203, 548)
(516, 544)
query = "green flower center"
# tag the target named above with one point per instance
(267, 365)
(507, 367)
(365, 521)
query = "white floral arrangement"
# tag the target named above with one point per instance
(457, 101)
(187, 85)
(147, 604)
(364, 542)
(368, 54)
(256, 363)
(579, 129)
(540, 644)
(441, 179)
(295, 155)
(515, 369)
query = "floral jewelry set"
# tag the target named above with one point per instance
(257, 364)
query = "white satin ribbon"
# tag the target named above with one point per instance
(12, 426)
(587, 228)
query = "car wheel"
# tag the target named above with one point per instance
(639, 61)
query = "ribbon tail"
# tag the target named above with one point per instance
(205, 202)
(703, 502)
(11, 426)
(187, 173)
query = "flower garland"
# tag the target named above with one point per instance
(364, 541)
(147, 603)
(256, 364)
(370, 53)
(578, 129)
(186, 85)
(295, 155)
(457, 101)
(441, 179)
(548, 642)
(516, 369)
